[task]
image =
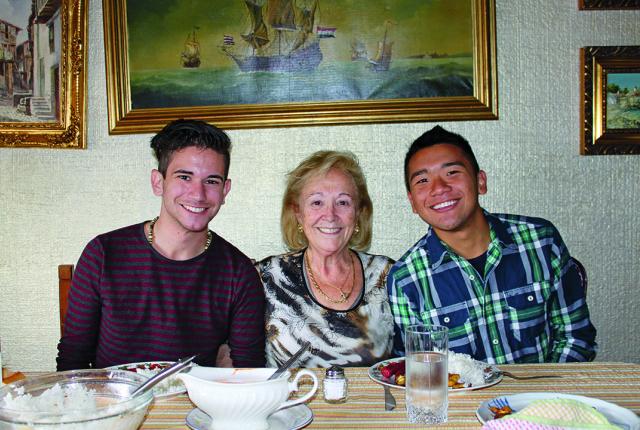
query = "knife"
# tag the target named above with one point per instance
(289, 362)
(174, 368)
(389, 400)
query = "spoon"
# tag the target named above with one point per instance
(174, 368)
(289, 362)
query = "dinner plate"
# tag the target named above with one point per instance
(617, 415)
(291, 418)
(491, 378)
(167, 388)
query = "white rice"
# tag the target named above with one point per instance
(54, 400)
(71, 403)
(171, 385)
(471, 371)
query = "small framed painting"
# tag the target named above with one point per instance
(42, 73)
(608, 4)
(610, 95)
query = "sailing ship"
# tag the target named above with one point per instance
(358, 51)
(382, 60)
(191, 52)
(280, 38)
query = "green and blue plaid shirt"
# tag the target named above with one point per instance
(527, 306)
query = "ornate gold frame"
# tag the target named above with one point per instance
(595, 63)
(482, 105)
(608, 4)
(69, 130)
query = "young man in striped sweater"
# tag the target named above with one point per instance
(169, 287)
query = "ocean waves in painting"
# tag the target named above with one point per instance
(349, 81)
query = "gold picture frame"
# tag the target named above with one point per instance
(45, 78)
(608, 4)
(481, 103)
(610, 111)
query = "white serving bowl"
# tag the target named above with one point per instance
(243, 399)
(110, 390)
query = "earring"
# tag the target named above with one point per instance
(357, 229)
(299, 228)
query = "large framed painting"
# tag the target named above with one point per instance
(610, 112)
(276, 63)
(608, 4)
(42, 73)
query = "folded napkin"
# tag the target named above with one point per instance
(553, 414)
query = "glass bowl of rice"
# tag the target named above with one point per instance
(96, 399)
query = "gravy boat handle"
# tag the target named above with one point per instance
(293, 386)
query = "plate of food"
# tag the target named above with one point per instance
(616, 415)
(167, 388)
(465, 373)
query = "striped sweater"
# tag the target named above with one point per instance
(128, 303)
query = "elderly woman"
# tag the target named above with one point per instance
(327, 290)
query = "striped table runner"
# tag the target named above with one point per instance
(614, 382)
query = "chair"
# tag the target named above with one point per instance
(65, 273)
(582, 274)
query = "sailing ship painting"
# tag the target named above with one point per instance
(281, 37)
(279, 52)
(382, 60)
(190, 56)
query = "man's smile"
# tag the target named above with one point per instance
(444, 205)
(193, 209)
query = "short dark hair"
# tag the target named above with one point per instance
(435, 136)
(184, 133)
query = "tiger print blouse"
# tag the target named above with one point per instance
(360, 336)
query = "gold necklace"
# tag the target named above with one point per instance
(343, 295)
(150, 235)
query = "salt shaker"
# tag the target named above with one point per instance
(335, 385)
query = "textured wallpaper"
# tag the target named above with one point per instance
(52, 202)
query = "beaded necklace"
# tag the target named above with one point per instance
(150, 235)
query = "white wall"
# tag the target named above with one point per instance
(53, 201)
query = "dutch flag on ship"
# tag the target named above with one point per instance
(325, 32)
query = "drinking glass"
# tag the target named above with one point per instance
(426, 372)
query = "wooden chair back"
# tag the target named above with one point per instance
(65, 273)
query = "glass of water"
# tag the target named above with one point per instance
(426, 372)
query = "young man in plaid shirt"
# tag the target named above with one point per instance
(504, 285)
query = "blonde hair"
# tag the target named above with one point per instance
(317, 164)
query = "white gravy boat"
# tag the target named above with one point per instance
(242, 398)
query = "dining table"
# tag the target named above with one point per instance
(614, 382)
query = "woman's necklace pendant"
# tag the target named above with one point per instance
(343, 296)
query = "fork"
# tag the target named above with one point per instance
(511, 375)
(500, 403)
(389, 400)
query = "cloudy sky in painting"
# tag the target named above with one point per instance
(158, 28)
(17, 13)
